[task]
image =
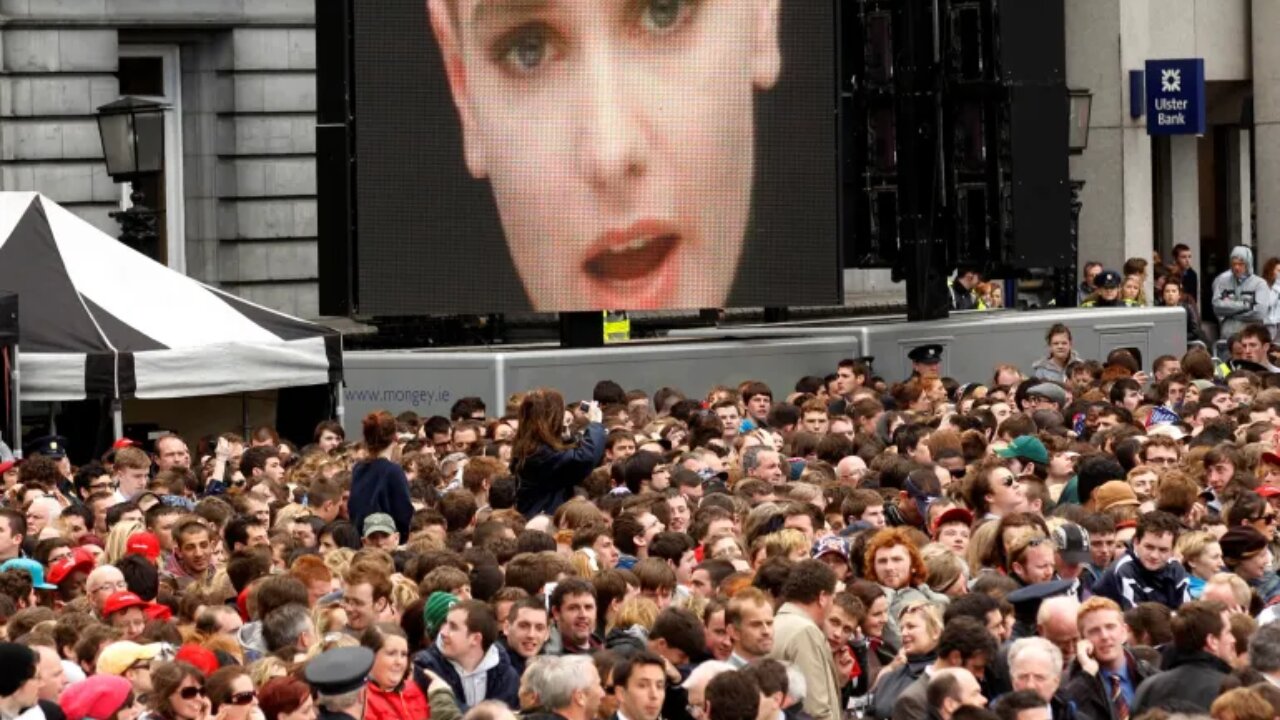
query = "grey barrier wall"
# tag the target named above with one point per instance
(428, 382)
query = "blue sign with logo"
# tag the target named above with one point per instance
(1175, 97)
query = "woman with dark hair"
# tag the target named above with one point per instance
(231, 693)
(286, 698)
(391, 694)
(338, 534)
(546, 464)
(177, 692)
(378, 484)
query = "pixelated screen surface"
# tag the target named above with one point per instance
(560, 155)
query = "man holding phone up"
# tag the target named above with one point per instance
(1104, 676)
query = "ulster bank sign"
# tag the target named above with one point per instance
(1175, 97)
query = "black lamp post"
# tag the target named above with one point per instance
(132, 131)
(1080, 105)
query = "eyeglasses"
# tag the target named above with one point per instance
(111, 586)
(243, 698)
(102, 486)
(191, 693)
(1269, 519)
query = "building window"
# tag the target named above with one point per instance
(152, 72)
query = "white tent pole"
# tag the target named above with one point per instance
(340, 410)
(16, 382)
(117, 419)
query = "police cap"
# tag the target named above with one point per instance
(927, 354)
(339, 671)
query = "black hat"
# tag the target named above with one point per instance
(51, 446)
(339, 671)
(1026, 600)
(1241, 543)
(928, 354)
(19, 663)
(1107, 279)
(1072, 542)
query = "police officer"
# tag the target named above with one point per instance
(54, 447)
(1107, 293)
(339, 677)
(925, 360)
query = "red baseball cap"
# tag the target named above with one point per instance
(122, 443)
(1268, 491)
(201, 657)
(8, 465)
(79, 559)
(120, 601)
(145, 544)
(953, 515)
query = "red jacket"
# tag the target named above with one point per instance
(407, 704)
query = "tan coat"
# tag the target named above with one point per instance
(798, 640)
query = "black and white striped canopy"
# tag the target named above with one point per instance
(98, 319)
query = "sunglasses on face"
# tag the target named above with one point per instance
(243, 698)
(191, 693)
(1269, 519)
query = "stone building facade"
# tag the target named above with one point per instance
(239, 187)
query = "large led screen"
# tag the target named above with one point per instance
(561, 155)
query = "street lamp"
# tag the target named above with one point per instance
(132, 131)
(1081, 104)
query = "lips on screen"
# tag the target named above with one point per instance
(559, 155)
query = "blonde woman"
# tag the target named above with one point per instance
(339, 561)
(118, 540)
(920, 626)
(329, 618)
(789, 543)
(266, 669)
(631, 625)
(1201, 556)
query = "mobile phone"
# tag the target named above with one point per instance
(584, 406)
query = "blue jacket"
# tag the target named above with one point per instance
(380, 486)
(1129, 583)
(547, 477)
(502, 683)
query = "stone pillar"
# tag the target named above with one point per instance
(1184, 194)
(1239, 190)
(1266, 112)
(1105, 40)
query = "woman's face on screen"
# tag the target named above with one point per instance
(618, 137)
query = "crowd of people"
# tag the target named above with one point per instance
(1080, 539)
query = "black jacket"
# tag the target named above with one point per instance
(1090, 694)
(501, 683)
(1189, 685)
(1129, 583)
(961, 297)
(891, 684)
(547, 477)
(380, 486)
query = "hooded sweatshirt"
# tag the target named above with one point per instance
(1239, 300)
